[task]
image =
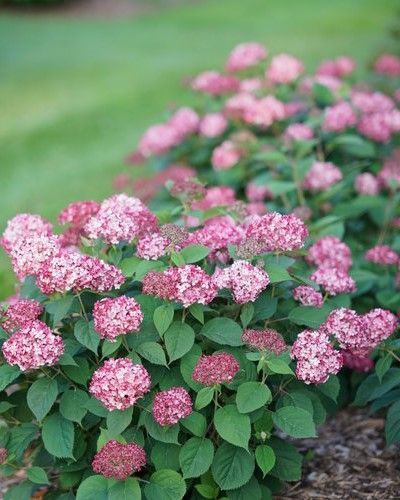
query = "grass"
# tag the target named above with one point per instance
(76, 94)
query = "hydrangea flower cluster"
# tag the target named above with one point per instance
(119, 383)
(333, 280)
(22, 227)
(19, 312)
(382, 254)
(367, 184)
(76, 215)
(152, 246)
(330, 252)
(265, 340)
(217, 368)
(118, 460)
(32, 346)
(308, 296)
(244, 280)
(116, 316)
(322, 176)
(245, 55)
(171, 405)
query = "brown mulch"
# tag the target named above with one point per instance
(350, 461)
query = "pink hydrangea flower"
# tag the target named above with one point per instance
(334, 280)
(298, 132)
(277, 232)
(316, 357)
(339, 117)
(171, 405)
(226, 156)
(245, 55)
(78, 212)
(389, 175)
(118, 460)
(151, 246)
(382, 254)
(251, 85)
(116, 316)
(367, 184)
(371, 102)
(254, 192)
(387, 64)
(329, 251)
(119, 383)
(244, 280)
(216, 196)
(158, 139)
(19, 312)
(263, 112)
(363, 364)
(348, 328)
(185, 121)
(120, 218)
(217, 368)
(24, 226)
(213, 125)
(236, 106)
(284, 68)
(265, 340)
(33, 346)
(339, 67)
(321, 176)
(375, 126)
(380, 324)
(308, 296)
(214, 83)
(29, 254)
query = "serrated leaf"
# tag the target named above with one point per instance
(232, 467)
(41, 396)
(196, 457)
(73, 405)
(392, 425)
(204, 397)
(194, 253)
(37, 475)
(252, 395)
(58, 436)
(162, 317)
(223, 331)
(86, 335)
(179, 339)
(294, 421)
(277, 365)
(7, 375)
(153, 352)
(166, 485)
(265, 458)
(233, 426)
(309, 316)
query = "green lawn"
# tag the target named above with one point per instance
(76, 94)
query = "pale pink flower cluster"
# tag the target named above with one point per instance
(333, 280)
(158, 139)
(334, 84)
(171, 405)
(24, 226)
(389, 175)
(316, 357)
(30, 253)
(119, 383)
(263, 112)
(216, 196)
(265, 340)
(251, 85)
(254, 192)
(382, 254)
(33, 346)
(120, 218)
(151, 246)
(377, 126)
(339, 117)
(321, 176)
(284, 68)
(277, 232)
(245, 55)
(371, 102)
(119, 460)
(358, 363)
(226, 155)
(307, 296)
(339, 67)
(188, 285)
(217, 368)
(329, 252)
(387, 64)
(115, 316)
(298, 132)
(367, 184)
(244, 280)
(214, 83)
(19, 312)
(185, 121)
(212, 125)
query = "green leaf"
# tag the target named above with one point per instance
(79, 373)
(196, 310)
(59, 308)
(265, 458)
(179, 339)
(322, 94)
(73, 405)
(93, 488)
(118, 420)
(41, 396)
(204, 397)
(109, 347)
(194, 253)
(196, 457)
(330, 388)
(392, 425)
(206, 490)
(276, 273)
(371, 388)
(187, 365)
(195, 423)
(165, 456)
(166, 485)
(287, 461)
(145, 266)
(86, 335)
(5, 406)
(280, 187)
(58, 436)
(7, 375)
(252, 395)
(165, 434)
(251, 490)
(309, 316)
(124, 490)
(294, 421)
(277, 365)
(20, 438)
(21, 491)
(128, 266)
(153, 352)
(232, 467)
(264, 307)
(37, 475)
(271, 157)
(163, 317)
(354, 145)
(233, 426)
(383, 365)
(94, 406)
(223, 331)
(246, 314)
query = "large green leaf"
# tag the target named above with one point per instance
(86, 334)
(232, 466)
(101, 488)
(41, 396)
(166, 485)
(196, 457)
(118, 420)
(163, 317)
(73, 405)
(233, 426)
(294, 421)
(309, 316)
(179, 339)
(58, 436)
(7, 375)
(252, 395)
(372, 388)
(288, 460)
(153, 352)
(37, 475)
(392, 426)
(265, 458)
(194, 253)
(223, 331)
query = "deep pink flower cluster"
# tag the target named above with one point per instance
(78, 212)
(116, 316)
(33, 346)
(245, 55)
(171, 405)
(380, 324)
(367, 184)
(382, 254)
(120, 218)
(118, 460)
(217, 368)
(277, 232)
(308, 296)
(333, 280)
(329, 252)
(151, 246)
(339, 117)
(19, 312)
(24, 226)
(362, 364)
(214, 83)
(298, 132)
(265, 340)
(339, 67)
(226, 155)
(188, 285)
(119, 383)
(213, 125)
(316, 357)
(244, 280)
(284, 68)
(387, 64)
(321, 176)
